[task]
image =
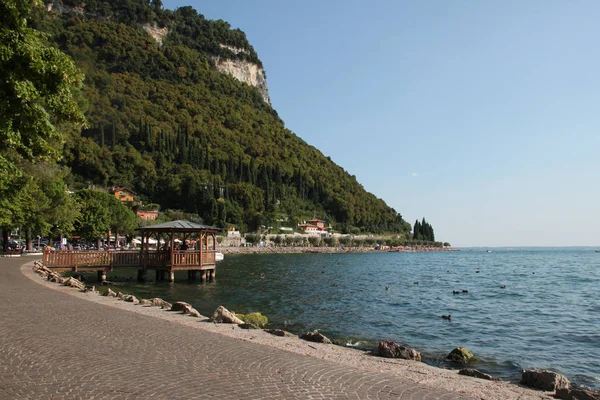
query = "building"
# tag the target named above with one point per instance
(313, 226)
(232, 233)
(147, 215)
(124, 194)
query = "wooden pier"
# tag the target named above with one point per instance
(163, 261)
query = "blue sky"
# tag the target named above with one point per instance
(481, 116)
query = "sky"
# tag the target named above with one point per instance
(481, 116)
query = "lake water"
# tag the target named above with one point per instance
(547, 316)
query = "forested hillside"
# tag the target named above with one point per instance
(162, 120)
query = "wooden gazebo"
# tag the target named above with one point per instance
(194, 250)
(180, 246)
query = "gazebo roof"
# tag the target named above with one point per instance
(178, 226)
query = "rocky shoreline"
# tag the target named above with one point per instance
(465, 381)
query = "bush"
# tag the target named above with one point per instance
(314, 241)
(255, 319)
(330, 241)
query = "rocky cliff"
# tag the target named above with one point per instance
(246, 72)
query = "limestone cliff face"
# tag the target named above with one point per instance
(156, 32)
(244, 71)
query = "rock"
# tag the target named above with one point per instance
(132, 299)
(54, 277)
(248, 325)
(194, 313)
(223, 315)
(460, 355)
(74, 283)
(41, 269)
(315, 336)
(185, 308)
(110, 293)
(577, 394)
(158, 302)
(145, 302)
(548, 381)
(391, 349)
(180, 306)
(477, 374)
(121, 296)
(166, 305)
(279, 332)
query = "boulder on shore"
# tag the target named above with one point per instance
(145, 302)
(577, 394)
(460, 355)
(391, 349)
(548, 381)
(131, 299)
(477, 374)
(74, 283)
(279, 332)
(223, 315)
(110, 293)
(54, 277)
(158, 302)
(185, 308)
(180, 306)
(315, 336)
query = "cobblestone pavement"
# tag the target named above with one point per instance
(55, 346)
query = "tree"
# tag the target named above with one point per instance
(37, 92)
(50, 205)
(101, 212)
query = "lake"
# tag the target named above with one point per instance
(546, 316)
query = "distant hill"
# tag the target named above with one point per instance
(178, 110)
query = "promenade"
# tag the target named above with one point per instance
(56, 346)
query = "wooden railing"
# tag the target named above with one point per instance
(157, 258)
(77, 258)
(128, 258)
(192, 257)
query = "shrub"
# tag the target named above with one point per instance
(255, 319)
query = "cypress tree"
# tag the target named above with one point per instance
(101, 135)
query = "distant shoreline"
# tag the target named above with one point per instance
(325, 250)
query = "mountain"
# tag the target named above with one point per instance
(178, 110)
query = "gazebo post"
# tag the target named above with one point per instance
(171, 272)
(200, 251)
(142, 271)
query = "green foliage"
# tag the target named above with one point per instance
(256, 319)
(38, 103)
(314, 241)
(252, 238)
(423, 231)
(100, 212)
(164, 122)
(330, 241)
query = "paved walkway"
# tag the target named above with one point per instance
(55, 346)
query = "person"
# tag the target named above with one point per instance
(184, 246)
